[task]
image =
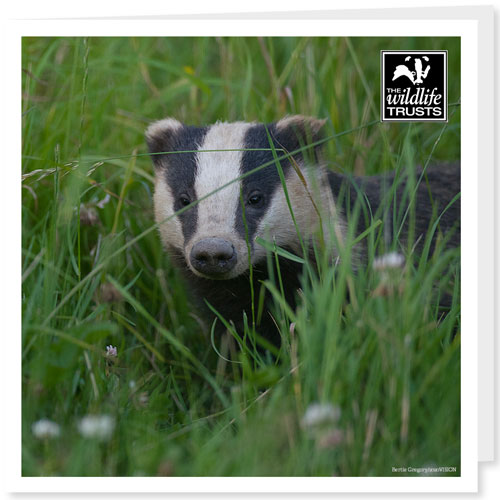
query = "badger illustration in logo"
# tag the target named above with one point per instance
(229, 203)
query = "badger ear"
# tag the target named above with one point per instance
(296, 131)
(161, 136)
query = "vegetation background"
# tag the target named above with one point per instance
(357, 388)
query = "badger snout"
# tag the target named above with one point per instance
(213, 257)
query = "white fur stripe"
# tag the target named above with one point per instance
(169, 227)
(216, 214)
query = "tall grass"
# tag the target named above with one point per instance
(185, 401)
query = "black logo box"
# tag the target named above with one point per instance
(437, 77)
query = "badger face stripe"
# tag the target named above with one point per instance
(217, 212)
(181, 174)
(175, 175)
(272, 219)
(264, 182)
(289, 135)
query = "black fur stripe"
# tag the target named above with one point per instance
(181, 171)
(266, 180)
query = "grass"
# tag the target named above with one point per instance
(184, 401)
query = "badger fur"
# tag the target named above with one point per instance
(214, 242)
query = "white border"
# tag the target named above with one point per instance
(467, 29)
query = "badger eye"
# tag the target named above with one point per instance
(256, 199)
(184, 200)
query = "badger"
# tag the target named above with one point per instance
(221, 190)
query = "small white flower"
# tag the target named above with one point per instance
(104, 201)
(45, 428)
(97, 426)
(392, 260)
(111, 351)
(88, 215)
(143, 398)
(319, 414)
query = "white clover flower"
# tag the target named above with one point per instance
(88, 215)
(320, 414)
(392, 260)
(97, 426)
(45, 428)
(104, 201)
(111, 351)
(143, 398)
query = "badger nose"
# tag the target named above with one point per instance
(213, 256)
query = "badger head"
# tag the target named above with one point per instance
(198, 164)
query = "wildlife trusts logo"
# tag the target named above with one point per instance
(414, 85)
